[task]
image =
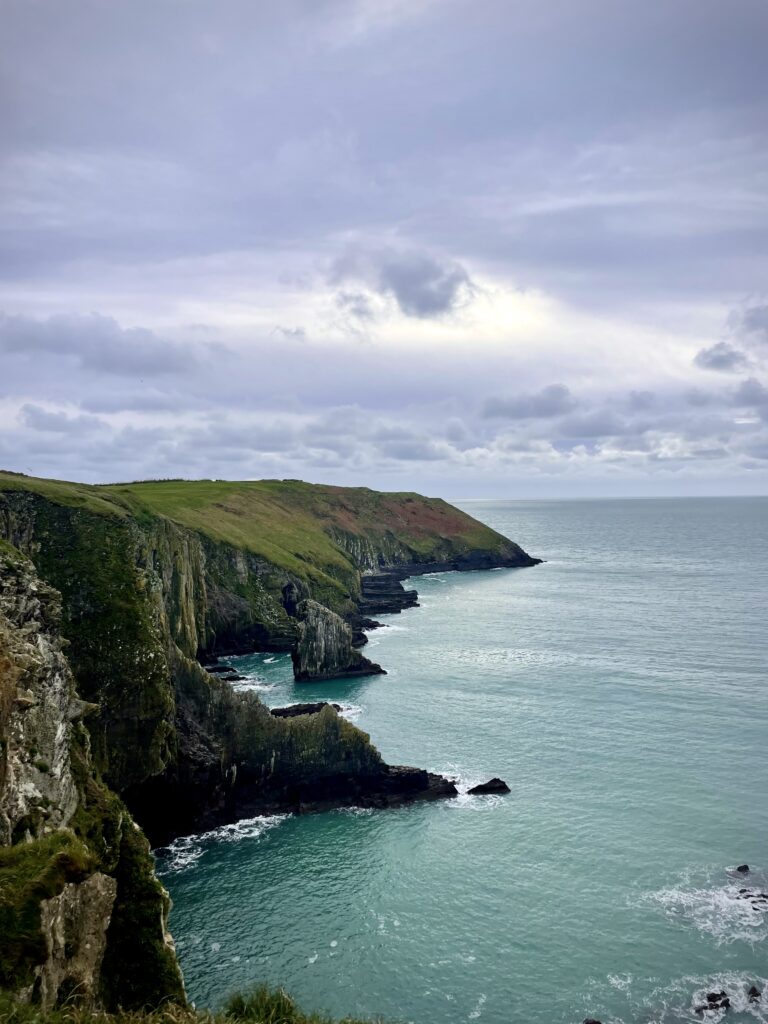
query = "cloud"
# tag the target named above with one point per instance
(392, 291)
(423, 285)
(601, 423)
(96, 342)
(752, 394)
(37, 418)
(552, 400)
(754, 321)
(721, 356)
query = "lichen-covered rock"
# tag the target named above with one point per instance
(38, 706)
(324, 648)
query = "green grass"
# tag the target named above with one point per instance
(288, 522)
(30, 873)
(261, 1006)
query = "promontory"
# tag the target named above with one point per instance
(115, 601)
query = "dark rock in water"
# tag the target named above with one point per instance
(359, 624)
(219, 669)
(754, 994)
(293, 710)
(715, 997)
(492, 786)
(743, 869)
(743, 890)
(383, 593)
(591, 1020)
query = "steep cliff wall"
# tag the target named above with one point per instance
(81, 912)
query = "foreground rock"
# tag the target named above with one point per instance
(492, 786)
(324, 649)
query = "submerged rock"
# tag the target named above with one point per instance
(491, 786)
(754, 994)
(743, 869)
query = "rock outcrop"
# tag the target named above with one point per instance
(324, 646)
(294, 710)
(492, 786)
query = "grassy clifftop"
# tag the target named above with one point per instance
(289, 523)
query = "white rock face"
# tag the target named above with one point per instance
(74, 925)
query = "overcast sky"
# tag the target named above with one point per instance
(513, 248)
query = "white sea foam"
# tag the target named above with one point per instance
(254, 684)
(464, 781)
(350, 711)
(183, 853)
(677, 1001)
(478, 1007)
(721, 912)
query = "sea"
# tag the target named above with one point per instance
(621, 690)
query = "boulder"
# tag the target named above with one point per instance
(754, 994)
(491, 786)
(743, 869)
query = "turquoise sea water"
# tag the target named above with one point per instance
(621, 689)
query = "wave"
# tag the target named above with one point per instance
(258, 685)
(677, 1002)
(184, 852)
(350, 711)
(733, 912)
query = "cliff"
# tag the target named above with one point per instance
(76, 880)
(114, 599)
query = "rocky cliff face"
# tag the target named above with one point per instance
(146, 589)
(324, 648)
(145, 599)
(77, 886)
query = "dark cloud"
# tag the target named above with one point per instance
(550, 401)
(37, 418)
(721, 356)
(752, 394)
(754, 321)
(95, 342)
(422, 284)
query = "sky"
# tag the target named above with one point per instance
(499, 248)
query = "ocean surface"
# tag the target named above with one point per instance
(621, 689)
